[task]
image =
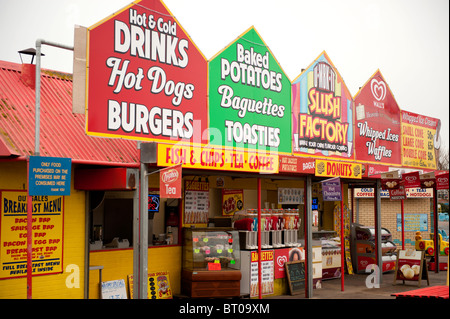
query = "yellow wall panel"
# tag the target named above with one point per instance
(13, 176)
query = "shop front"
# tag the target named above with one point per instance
(237, 175)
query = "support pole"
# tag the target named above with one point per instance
(342, 237)
(308, 238)
(143, 234)
(259, 240)
(37, 128)
(29, 235)
(379, 257)
(437, 247)
(136, 211)
(403, 226)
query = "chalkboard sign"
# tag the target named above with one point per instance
(295, 271)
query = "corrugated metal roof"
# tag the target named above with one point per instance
(62, 133)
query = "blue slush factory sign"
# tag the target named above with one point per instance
(49, 176)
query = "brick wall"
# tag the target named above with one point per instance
(389, 211)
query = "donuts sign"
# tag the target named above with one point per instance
(146, 79)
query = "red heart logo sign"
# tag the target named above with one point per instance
(378, 89)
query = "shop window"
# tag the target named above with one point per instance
(111, 220)
(118, 217)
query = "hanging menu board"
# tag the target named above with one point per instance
(196, 202)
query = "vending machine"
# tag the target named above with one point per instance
(363, 248)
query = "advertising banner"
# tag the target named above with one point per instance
(267, 273)
(322, 112)
(331, 189)
(397, 194)
(249, 97)
(442, 181)
(146, 79)
(420, 140)
(411, 266)
(158, 287)
(410, 193)
(377, 123)
(411, 179)
(296, 164)
(281, 257)
(170, 182)
(217, 158)
(232, 201)
(326, 168)
(47, 242)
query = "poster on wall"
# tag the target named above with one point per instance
(146, 79)
(47, 242)
(232, 201)
(249, 97)
(322, 112)
(421, 140)
(412, 222)
(196, 202)
(267, 273)
(170, 182)
(377, 123)
(290, 196)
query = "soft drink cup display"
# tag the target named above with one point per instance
(287, 216)
(274, 217)
(296, 219)
(252, 214)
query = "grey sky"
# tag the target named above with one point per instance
(407, 40)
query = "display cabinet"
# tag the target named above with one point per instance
(363, 248)
(211, 262)
(331, 253)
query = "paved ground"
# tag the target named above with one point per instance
(355, 287)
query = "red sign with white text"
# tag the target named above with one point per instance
(397, 194)
(377, 125)
(442, 181)
(146, 79)
(411, 180)
(296, 164)
(170, 182)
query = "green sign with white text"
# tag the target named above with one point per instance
(249, 97)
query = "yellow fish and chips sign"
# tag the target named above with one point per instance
(47, 234)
